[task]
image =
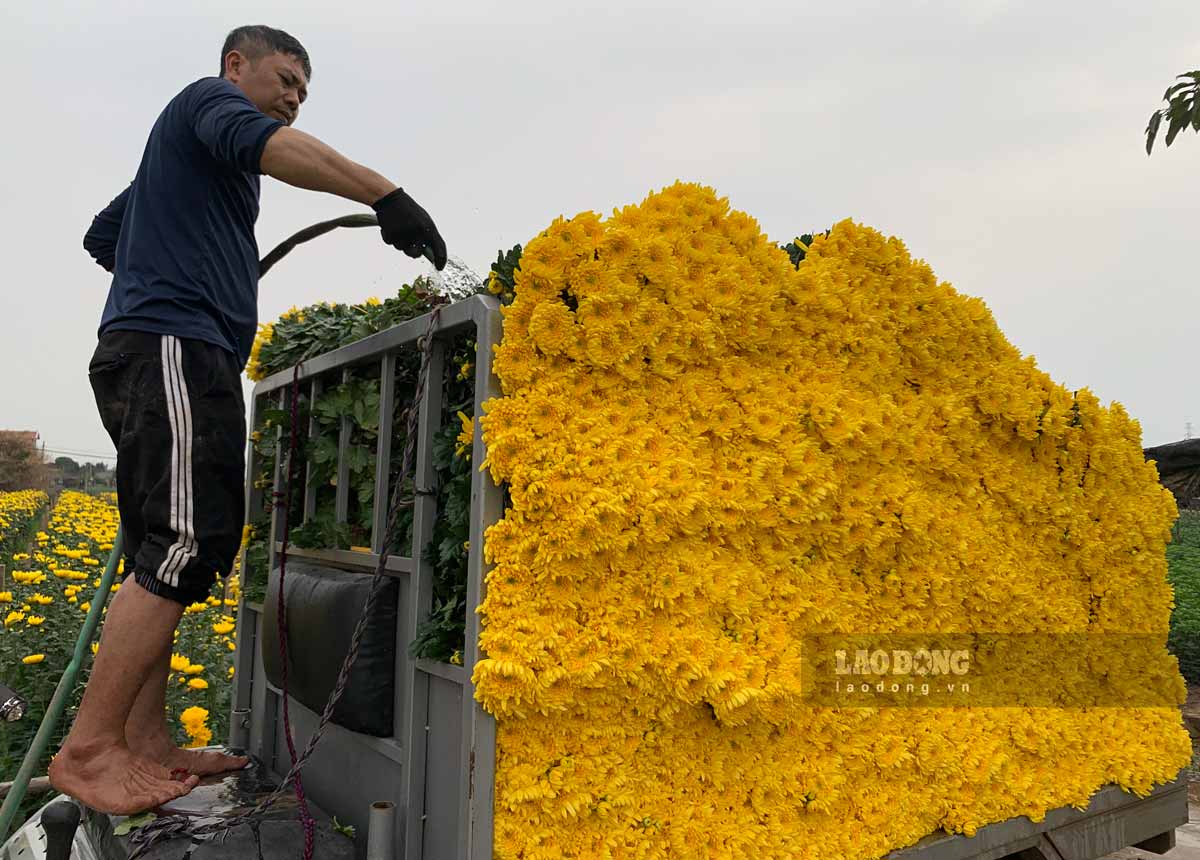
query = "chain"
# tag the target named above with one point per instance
(168, 827)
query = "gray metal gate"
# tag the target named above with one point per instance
(438, 766)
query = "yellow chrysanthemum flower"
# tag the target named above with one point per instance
(33, 658)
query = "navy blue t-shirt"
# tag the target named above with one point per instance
(180, 240)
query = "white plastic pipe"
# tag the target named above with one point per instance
(381, 830)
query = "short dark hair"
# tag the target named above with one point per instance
(257, 41)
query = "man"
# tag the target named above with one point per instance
(175, 334)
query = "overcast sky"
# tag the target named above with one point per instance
(1002, 141)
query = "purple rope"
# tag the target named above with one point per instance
(306, 819)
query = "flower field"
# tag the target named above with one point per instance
(48, 593)
(19, 513)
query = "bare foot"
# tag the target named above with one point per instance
(114, 780)
(162, 750)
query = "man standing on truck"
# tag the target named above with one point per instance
(175, 334)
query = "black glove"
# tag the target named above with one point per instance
(407, 227)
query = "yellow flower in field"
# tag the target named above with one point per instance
(33, 658)
(194, 721)
(466, 436)
(41, 599)
(373, 302)
(95, 648)
(96, 582)
(14, 618)
(35, 620)
(179, 663)
(222, 628)
(229, 602)
(193, 716)
(193, 669)
(198, 684)
(196, 608)
(230, 671)
(230, 646)
(27, 577)
(91, 562)
(6, 597)
(84, 607)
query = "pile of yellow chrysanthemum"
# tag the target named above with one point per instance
(712, 454)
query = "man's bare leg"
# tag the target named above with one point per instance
(146, 731)
(95, 765)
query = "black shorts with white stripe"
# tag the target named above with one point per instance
(174, 409)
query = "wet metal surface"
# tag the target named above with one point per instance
(222, 796)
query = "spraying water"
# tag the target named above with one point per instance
(456, 281)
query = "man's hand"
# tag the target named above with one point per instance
(408, 227)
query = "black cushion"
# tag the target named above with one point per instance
(323, 605)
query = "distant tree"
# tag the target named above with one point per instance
(66, 465)
(1182, 110)
(21, 466)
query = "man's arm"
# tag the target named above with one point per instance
(300, 159)
(101, 238)
(240, 135)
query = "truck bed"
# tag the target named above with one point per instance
(1113, 820)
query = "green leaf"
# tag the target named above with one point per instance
(1152, 129)
(1179, 119)
(1174, 88)
(133, 823)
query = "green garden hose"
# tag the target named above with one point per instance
(62, 692)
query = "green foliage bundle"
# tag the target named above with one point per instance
(1182, 110)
